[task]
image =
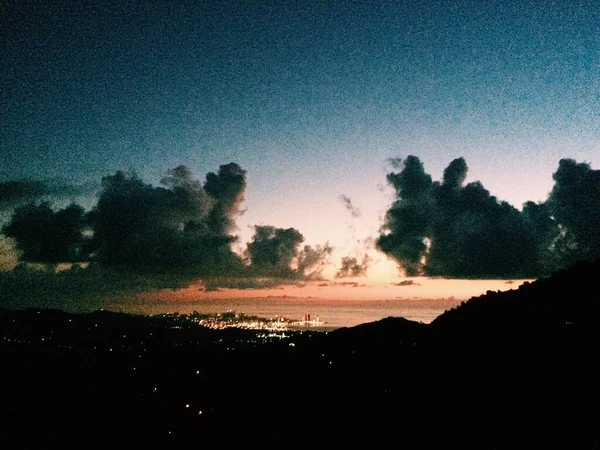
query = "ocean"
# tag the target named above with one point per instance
(333, 313)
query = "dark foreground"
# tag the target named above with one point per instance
(505, 370)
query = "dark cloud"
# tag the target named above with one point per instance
(474, 235)
(546, 231)
(451, 229)
(227, 188)
(76, 289)
(19, 192)
(408, 221)
(347, 202)
(244, 283)
(575, 204)
(150, 237)
(12, 192)
(183, 226)
(273, 250)
(395, 163)
(407, 283)
(341, 283)
(312, 261)
(276, 252)
(351, 267)
(455, 174)
(43, 235)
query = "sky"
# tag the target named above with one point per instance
(313, 100)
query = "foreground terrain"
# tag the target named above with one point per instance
(517, 369)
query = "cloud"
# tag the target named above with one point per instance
(408, 221)
(407, 283)
(575, 204)
(276, 252)
(76, 289)
(312, 261)
(227, 188)
(455, 174)
(19, 192)
(356, 261)
(245, 283)
(43, 235)
(455, 230)
(140, 237)
(184, 227)
(273, 250)
(350, 267)
(341, 283)
(347, 202)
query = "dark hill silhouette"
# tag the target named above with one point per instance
(525, 359)
(565, 303)
(390, 331)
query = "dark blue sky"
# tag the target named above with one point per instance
(310, 97)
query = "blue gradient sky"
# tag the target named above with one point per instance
(311, 98)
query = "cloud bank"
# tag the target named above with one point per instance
(43, 235)
(152, 237)
(447, 228)
(140, 237)
(182, 226)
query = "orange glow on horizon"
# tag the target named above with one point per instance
(346, 289)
